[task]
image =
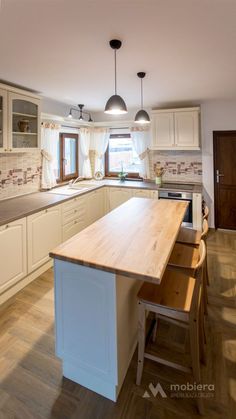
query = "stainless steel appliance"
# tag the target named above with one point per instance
(181, 196)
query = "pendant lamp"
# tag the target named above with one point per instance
(142, 116)
(115, 105)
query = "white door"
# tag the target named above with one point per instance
(3, 120)
(163, 130)
(13, 253)
(187, 129)
(44, 234)
(118, 196)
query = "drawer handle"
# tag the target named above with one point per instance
(7, 226)
(46, 210)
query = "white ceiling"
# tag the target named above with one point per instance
(61, 49)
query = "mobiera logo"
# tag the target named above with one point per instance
(154, 391)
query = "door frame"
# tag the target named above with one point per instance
(216, 203)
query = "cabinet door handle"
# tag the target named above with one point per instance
(7, 226)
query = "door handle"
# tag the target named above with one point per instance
(218, 175)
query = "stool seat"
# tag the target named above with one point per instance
(174, 292)
(189, 236)
(184, 256)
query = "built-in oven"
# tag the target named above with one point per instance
(181, 196)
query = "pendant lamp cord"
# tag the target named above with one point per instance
(141, 93)
(115, 74)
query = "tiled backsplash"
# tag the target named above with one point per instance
(19, 173)
(180, 166)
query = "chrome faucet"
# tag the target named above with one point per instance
(72, 182)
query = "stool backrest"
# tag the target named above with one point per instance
(205, 229)
(206, 213)
(197, 295)
(202, 256)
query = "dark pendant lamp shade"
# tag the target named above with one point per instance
(115, 104)
(142, 116)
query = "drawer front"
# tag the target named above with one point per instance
(71, 204)
(71, 229)
(69, 216)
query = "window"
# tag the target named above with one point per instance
(67, 157)
(120, 152)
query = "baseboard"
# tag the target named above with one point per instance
(25, 281)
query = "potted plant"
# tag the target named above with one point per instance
(159, 171)
(122, 175)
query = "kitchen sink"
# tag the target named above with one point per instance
(65, 190)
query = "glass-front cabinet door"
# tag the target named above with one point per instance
(3, 120)
(24, 132)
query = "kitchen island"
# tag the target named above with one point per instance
(98, 274)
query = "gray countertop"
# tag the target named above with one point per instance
(19, 207)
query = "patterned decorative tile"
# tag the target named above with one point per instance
(178, 165)
(20, 173)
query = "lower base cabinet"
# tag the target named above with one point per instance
(32, 238)
(44, 232)
(13, 253)
(95, 206)
(118, 196)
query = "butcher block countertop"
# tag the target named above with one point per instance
(135, 239)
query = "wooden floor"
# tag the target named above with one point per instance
(32, 385)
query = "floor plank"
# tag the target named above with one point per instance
(32, 386)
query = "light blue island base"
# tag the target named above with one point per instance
(96, 325)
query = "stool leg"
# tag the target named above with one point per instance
(154, 332)
(207, 277)
(202, 335)
(141, 340)
(194, 347)
(204, 285)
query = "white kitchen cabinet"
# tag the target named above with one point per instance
(142, 193)
(118, 196)
(154, 194)
(3, 120)
(19, 120)
(13, 253)
(74, 216)
(197, 211)
(187, 129)
(44, 232)
(95, 205)
(175, 129)
(163, 130)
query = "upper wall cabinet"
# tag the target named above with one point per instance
(19, 120)
(175, 129)
(3, 119)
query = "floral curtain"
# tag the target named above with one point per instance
(85, 136)
(141, 140)
(49, 151)
(101, 139)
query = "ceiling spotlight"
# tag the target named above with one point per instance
(115, 105)
(142, 116)
(81, 113)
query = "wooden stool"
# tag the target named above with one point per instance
(193, 237)
(178, 299)
(206, 213)
(185, 256)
